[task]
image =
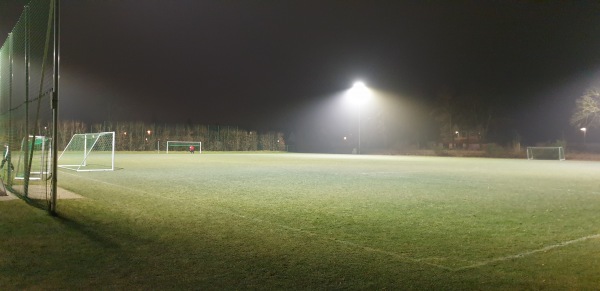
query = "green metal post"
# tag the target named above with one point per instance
(55, 106)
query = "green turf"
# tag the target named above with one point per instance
(299, 221)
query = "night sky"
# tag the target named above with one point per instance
(283, 64)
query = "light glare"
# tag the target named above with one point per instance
(359, 93)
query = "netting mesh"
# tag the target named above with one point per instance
(545, 153)
(27, 84)
(183, 146)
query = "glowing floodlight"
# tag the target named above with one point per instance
(359, 93)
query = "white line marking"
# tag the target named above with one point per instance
(104, 182)
(524, 254)
(340, 241)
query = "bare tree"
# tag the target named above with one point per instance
(587, 113)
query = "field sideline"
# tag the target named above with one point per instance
(311, 221)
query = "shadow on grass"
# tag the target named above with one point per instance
(68, 222)
(86, 231)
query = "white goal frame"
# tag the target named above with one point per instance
(532, 156)
(197, 144)
(41, 160)
(87, 151)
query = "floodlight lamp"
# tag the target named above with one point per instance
(149, 132)
(359, 84)
(583, 129)
(359, 92)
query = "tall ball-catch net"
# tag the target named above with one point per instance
(29, 104)
(88, 152)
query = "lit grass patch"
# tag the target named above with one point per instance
(320, 221)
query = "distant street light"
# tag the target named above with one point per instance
(359, 94)
(148, 132)
(584, 132)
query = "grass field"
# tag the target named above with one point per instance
(300, 221)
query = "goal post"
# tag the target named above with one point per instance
(546, 153)
(88, 152)
(183, 146)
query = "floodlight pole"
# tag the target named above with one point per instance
(359, 126)
(359, 93)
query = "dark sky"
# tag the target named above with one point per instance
(267, 64)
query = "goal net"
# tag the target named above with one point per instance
(545, 153)
(87, 152)
(183, 146)
(38, 149)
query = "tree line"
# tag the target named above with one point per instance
(141, 136)
(463, 119)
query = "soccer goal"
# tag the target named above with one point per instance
(88, 152)
(183, 146)
(39, 155)
(545, 153)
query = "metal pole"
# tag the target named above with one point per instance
(26, 149)
(112, 166)
(55, 106)
(359, 130)
(10, 115)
